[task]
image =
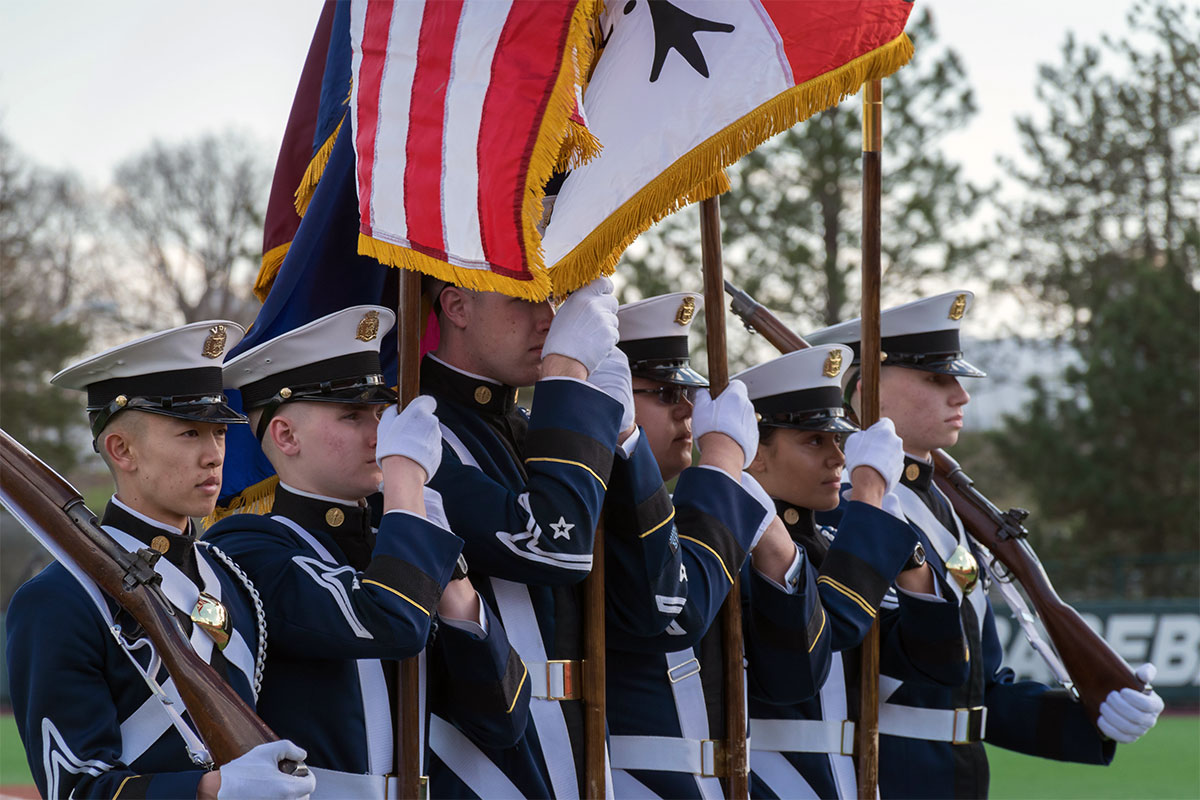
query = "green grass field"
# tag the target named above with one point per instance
(13, 769)
(1165, 764)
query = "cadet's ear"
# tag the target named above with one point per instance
(758, 465)
(281, 431)
(116, 446)
(454, 306)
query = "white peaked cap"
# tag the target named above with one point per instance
(175, 373)
(923, 334)
(197, 345)
(659, 317)
(654, 336)
(801, 389)
(342, 346)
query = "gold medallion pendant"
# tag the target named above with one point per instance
(213, 619)
(965, 569)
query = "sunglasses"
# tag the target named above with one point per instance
(671, 394)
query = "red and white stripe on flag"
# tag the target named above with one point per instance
(684, 88)
(460, 114)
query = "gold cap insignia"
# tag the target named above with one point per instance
(912, 472)
(212, 618)
(160, 544)
(368, 327)
(335, 517)
(687, 310)
(958, 307)
(791, 516)
(214, 343)
(833, 364)
(483, 395)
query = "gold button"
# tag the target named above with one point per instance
(791, 516)
(160, 543)
(757, 417)
(121, 400)
(912, 472)
(335, 517)
(483, 395)
(285, 393)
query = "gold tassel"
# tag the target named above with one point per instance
(272, 260)
(256, 499)
(666, 193)
(316, 168)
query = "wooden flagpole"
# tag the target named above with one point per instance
(735, 762)
(594, 688)
(408, 681)
(867, 730)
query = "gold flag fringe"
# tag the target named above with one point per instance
(555, 143)
(669, 191)
(485, 280)
(579, 147)
(256, 499)
(272, 260)
(316, 168)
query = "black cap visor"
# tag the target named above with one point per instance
(816, 409)
(677, 373)
(832, 420)
(207, 408)
(946, 363)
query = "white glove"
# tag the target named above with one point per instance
(255, 775)
(1125, 716)
(731, 414)
(612, 377)
(412, 433)
(879, 448)
(755, 490)
(585, 325)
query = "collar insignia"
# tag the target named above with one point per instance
(214, 345)
(687, 310)
(368, 327)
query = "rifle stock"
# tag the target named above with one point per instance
(1095, 668)
(223, 719)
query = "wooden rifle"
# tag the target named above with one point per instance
(226, 723)
(1094, 667)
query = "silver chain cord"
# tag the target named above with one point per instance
(261, 655)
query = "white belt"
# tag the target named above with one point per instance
(954, 725)
(555, 680)
(803, 736)
(665, 754)
(957, 726)
(334, 785)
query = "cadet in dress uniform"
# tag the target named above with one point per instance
(340, 596)
(934, 743)
(804, 749)
(524, 490)
(666, 711)
(79, 665)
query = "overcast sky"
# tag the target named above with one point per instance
(84, 84)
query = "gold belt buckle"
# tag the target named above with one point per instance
(848, 737)
(967, 714)
(712, 758)
(570, 690)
